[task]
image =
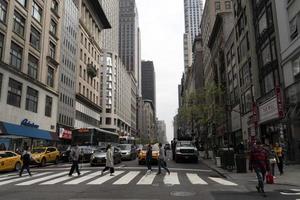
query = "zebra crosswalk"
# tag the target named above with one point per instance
(121, 177)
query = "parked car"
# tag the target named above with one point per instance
(86, 152)
(186, 150)
(10, 161)
(65, 153)
(43, 155)
(99, 156)
(128, 151)
(143, 152)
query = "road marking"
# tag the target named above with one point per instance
(11, 176)
(105, 178)
(290, 193)
(296, 190)
(43, 179)
(222, 181)
(22, 178)
(127, 178)
(195, 179)
(171, 179)
(82, 179)
(61, 179)
(147, 179)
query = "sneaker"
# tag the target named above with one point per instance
(79, 174)
(111, 174)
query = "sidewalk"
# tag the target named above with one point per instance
(290, 177)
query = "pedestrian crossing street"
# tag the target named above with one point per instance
(121, 177)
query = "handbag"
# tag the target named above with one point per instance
(272, 160)
(269, 178)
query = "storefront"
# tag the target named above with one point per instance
(27, 133)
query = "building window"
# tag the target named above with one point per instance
(268, 83)
(54, 6)
(16, 56)
(52, 50)
(33, 65)
(262, 23)
(107, 120)
(247, 101)
(1, 76)
(53, 27)
(50, 77)
(14, 93)
(227, 4)
(19, 24)
(1, 45)
(32, 99)
(3, 10)
(48, 106)
(266, 55)
(35, 38)
(218, 5)
(36, 11)
(296, 67)
(23, 2)
(295, 26)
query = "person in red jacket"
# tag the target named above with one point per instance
(260, 163)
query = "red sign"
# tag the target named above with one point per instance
(65, 134)
(279, 102)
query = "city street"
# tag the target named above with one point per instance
(186, 181)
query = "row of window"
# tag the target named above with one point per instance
(227, 5)
(14, 97)
(83, 74)
(66, 99)
(63, 119)
(68, 63)
(67, 81)
(88, 93)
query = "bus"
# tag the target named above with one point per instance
(127, 140)
(90, 139)
(94, 137)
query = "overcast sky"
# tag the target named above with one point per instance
(162, 27)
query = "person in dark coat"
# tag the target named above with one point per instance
(74, 155)
(26, 158)
(149, 158)
(259, 161)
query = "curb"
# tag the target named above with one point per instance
(214, 169)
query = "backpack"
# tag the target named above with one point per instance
(26, 158)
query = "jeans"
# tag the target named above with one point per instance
(74, 166)
(261, 174)
(161, 164)
(280, 165)
(25, 166)
(148, 163)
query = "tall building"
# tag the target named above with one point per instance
(67, 70)
(29, 63)
(129, 39)
(92, 22)
(161, 131)
(192, 18)
(148, 82)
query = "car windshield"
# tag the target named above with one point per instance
(185, 145)
(38, 150)
(102, 149)
(125, 147)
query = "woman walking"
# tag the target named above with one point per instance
(161, 160)
(109, 160)
(149, 158)
(279, 156)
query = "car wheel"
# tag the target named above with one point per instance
(17, 166)
(56, 160)
(43, 162)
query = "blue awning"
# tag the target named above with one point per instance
(14, 129)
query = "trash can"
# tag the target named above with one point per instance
(241, 163)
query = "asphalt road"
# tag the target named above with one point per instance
(187, 181)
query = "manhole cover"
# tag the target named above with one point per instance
(182, 194)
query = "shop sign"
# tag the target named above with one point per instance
(26, 122)
(268, 111)
(279, 102)
(65, 134)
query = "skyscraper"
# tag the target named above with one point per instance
(192, 18)
(148, 82)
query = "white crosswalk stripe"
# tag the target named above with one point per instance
(147, 179)
(105, 178)
(195, 179)
(84, 178)
(171, 179)
(127, 178)
(23, 178)
(61, 179)
(11, 176)
(222, 181)
(42, 179)
(119, 178)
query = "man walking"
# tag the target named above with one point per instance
(149, 158)
(109, 160)
(259, 161)
(26, 158)
(74, 154)
(161, 160)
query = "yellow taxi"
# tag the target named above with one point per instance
(142, 154)
(43, 155)
(9, 161)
